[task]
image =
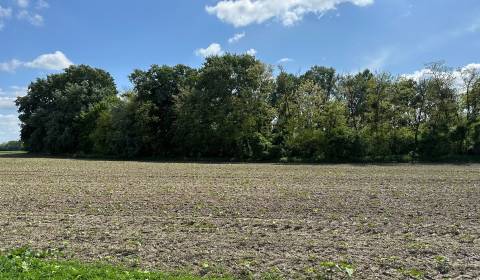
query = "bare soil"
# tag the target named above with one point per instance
(253, 220)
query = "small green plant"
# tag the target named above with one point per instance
(442, 264)
(273, 274)
(413, 273)
(332, 270)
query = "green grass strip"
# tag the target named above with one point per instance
(25, 264)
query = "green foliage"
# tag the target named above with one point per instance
(332, 270)
(27, 264)
(442, 264)
(11, 146)
(227, 110)
(413, 273)
(52, 111)
(233, 107)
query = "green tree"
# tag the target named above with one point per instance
(227, 113)
(51, 112)
(156, 90)
(324, 77)
(442, 127)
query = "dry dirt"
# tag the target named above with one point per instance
(253, 220)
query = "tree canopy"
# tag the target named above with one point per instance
(234, 106)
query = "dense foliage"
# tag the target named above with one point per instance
(11, 146)
(235, 107)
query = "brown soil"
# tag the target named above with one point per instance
(252, 220)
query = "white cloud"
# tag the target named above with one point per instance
(212, 50)
(285, 60)
(418, 75)
(10, 127)
(237, 37)
(32, 18)
(251, 52)
(245, 12)
(14, 91)
(42, 4)
(7, 102)
(49, 61)
(456, 74)
(471, 66)
(18, 91)
(5, 13)
(10, 66)
(23, 3)
(25, 13)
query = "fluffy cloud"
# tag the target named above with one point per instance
(212, 50)
(24, 12)
(49, 61)
(17, 91)
(32, 18)
(245, 12)
(42, 4)
(10, 127)
(10, 66)
(7, 102)
(457, 74)
(237, 37)
(23, 3)
(251, 52)
(5, 13)
(8, 97)
(285, 60)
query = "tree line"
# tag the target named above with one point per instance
(235, 107)
(11, 146)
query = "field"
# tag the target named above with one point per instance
(248, 220)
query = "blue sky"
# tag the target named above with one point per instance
(38, 37)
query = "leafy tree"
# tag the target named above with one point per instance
(156, 90)
(303, 137)
(51, 111)
(324, 77)
(226, 113)
(234, 107)
(442, 126)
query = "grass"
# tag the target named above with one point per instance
(26, 264)
(12, 152)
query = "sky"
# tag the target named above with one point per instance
(40, 37)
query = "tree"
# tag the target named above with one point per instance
(302, 123)
(227, 113)
(442, 126)
(156, 90)
(234, 107)
(471, 96)
(324, 77)
(378, 115)
(353, 91)
(471, 104)
(11, 146)
(51, 111)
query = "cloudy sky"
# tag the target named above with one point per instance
(38, 37)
